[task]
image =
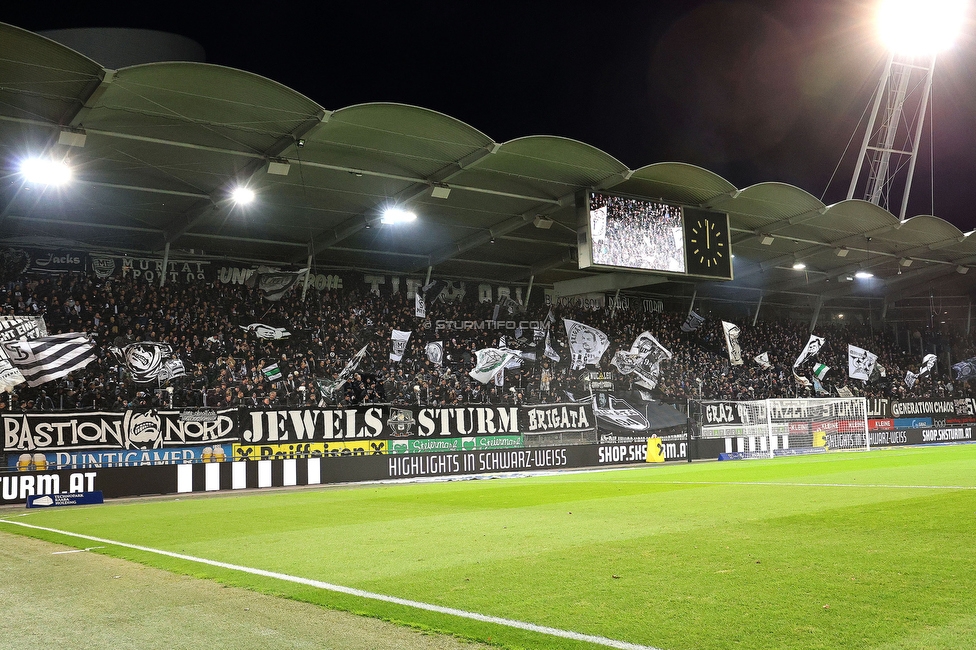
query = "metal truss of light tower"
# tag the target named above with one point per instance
(891, 140)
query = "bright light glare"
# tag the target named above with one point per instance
(45, 171)
(397, 215)
(863, 275)
(243, 195)
(799, 266)
(919, 27)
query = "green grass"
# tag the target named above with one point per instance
(834, 551)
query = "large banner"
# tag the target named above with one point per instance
(152, 429)
(377, 422)
(557, 418)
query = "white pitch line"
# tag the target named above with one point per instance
(507, 622)
(77, 550)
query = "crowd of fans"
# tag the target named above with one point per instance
(636, 233)
(206, 326)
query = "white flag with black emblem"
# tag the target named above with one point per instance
(398, 341)
(860, 362)
(435, 352)
(419, 305)
(732, 343)
(810, 350)
(587, 344)
(489, 362)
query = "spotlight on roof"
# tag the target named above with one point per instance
(905, 261)
(279, 166)
(440, 191)
(863, 275)
(242, 195)
(397, 215)
(799, 266)
(915, 28)
(766, 240)
(44, 171)
(962, 270)
(842, 252)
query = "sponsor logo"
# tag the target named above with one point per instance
(17, 487)
(310, 450)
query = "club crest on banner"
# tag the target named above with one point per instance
(142, 429)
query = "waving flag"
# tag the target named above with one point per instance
(860, 363)
(398, 340)
(810, 350)
(732, 343)
(693, 322)
(489, 362)
(763, 360)
(587, 344)
(47, 358)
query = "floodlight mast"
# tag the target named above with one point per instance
(901, 100)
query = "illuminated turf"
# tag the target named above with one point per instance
(861, 550)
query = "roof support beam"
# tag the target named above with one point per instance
(418, 188)
(256, 165)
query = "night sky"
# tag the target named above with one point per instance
(753, 90)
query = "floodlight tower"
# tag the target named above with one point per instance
(914, 31)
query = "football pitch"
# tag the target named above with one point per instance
(846, 550)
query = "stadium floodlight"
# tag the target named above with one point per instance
(397, 215)
(863, 275)
(799, 266)
(242, 195)
(919, 28)
(45, 171)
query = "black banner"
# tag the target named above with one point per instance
(145, 429)
(56, 261)
(383, 422)
(721, 413)
(557, 418)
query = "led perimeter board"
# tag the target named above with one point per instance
(631, 234)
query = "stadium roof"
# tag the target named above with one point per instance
(164, 144)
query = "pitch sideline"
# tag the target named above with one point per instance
(520, 625)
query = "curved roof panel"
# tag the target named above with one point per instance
(164, 141)
(42, 80)
(677, 183)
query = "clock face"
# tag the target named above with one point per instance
(707, 244)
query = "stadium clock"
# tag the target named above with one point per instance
(707, 244)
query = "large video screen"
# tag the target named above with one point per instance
(636, 234)
(633, 234)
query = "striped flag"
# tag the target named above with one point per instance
(272, 372)
(47, 358)
(820, 370)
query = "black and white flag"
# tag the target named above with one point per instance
(329, 387)
(273, 284)
(435, 352)
(928, 362)
(587, 344)
(732, 343)
(860, 363)
(419, 305)
(763, 360)
(489, 362)
(267, 332)
(11, 329)
(810, 350)
(965, 370)
(693, 322)
(145, 360)
(549, 352)
(643, 360)
(398, 342)
(47, 358)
